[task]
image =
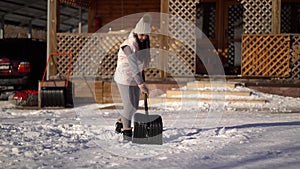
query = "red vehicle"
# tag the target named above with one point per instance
(14, 71)
(22, 62)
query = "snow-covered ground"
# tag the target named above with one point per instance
(196, 135)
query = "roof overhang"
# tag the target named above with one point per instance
(33, 13)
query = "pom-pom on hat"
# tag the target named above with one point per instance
(143, 26)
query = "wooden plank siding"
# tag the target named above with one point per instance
(109, 10)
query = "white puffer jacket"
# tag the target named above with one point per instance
(129, 68)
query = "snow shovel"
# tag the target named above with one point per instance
(147, 128)
(57, 92)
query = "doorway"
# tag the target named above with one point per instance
(222, 22)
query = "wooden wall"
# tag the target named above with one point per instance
(106, 11)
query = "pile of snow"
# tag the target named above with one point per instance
(196, 135)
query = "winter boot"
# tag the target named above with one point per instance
(118, 126)
(127, 134)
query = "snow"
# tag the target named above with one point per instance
(196, 135)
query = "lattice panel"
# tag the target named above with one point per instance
(211, 15)
(62, 63)
(257, 16)
(266, 55)
(96, 54)
(181, 59)
(295, 57)
(182, 28)
(285, 20)
(212, 22)
(154, 70)
(109, 55)
(235, 21)
(68, 43)
(153, 73)
(231, 51)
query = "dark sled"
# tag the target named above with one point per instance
(56, 92)
(147, 128)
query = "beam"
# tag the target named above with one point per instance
(2, 28)
(91, 17)
(276, 13)
(51, 34)
(34, 26)
(164, 25)
(20, 5)
(30, 29)
(40, 15)
(220, 24)
(80, 20)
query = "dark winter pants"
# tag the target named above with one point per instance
(130, 96)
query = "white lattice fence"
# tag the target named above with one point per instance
(154, 70)
(96, 54)
(295, 56)
(69, 43)
(182, 57)
(257, 16)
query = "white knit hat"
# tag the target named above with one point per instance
(143, 26)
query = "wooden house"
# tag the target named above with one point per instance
(236, 28)
(253, 38)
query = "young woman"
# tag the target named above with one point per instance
(133, 57)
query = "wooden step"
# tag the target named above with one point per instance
(181, 93)
(210, 84)
(159, 100)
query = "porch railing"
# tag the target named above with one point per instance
(268, 55)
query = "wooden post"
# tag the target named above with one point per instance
(29, 35)
(276, 13)
(2, 28)
(91, 17)
(164, 27)
(80, 20)
(220, 24)
(39, 95)
(52, 29)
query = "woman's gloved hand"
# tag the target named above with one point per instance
(144, 88)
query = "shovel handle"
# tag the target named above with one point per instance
(146, 104)
(145, 96)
